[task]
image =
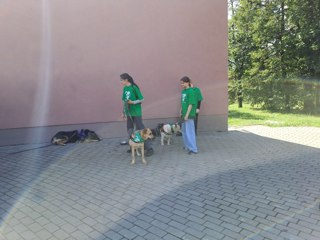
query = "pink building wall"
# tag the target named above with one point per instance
(60, 63)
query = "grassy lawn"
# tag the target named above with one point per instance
(254, 116)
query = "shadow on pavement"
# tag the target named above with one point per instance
(269, 201)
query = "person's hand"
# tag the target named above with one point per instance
(124, 117)
(198, 110)
(130, 102)
(185, 118)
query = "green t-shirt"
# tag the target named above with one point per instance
(132, 93)
(187, 98)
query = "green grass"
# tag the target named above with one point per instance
(248, 115)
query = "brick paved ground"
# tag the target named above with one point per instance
(250, 183)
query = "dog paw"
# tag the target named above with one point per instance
(144, 162)
(132, 162)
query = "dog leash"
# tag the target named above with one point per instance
(126, 109)
(26, 150)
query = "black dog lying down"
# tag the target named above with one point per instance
(84, 136)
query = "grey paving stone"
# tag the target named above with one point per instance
(171, 237)
(194, 232)
(127, 234)
(12, 236)
(139, 231)
(179, 219)
(151, 236)
(143, 224)
(43, 234)
(112, 235)
(175, 232)
(60, 234)
(212, 234)
(156, 231)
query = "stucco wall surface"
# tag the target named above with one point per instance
(60, 60)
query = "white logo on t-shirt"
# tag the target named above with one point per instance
(127, 94)
(184, 95)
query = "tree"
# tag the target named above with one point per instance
(305, 19)
(272, 44)
(239, 49)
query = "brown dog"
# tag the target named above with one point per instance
(136, 143)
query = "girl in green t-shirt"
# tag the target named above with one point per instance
(132, 110)
(188, 113)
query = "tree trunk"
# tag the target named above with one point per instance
(308, 105)
(317, 106)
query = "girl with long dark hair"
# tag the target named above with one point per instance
(132, 110)
(188, 113)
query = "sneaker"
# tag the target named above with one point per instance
(149, 152)
(192, 152)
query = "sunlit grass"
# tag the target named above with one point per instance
(248, 115)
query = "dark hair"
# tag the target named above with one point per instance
(186, 80)
(126, 76)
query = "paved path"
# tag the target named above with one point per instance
(250, 183)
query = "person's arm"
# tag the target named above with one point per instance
(199, 104)
(124, 110)
(198, 107)
(124, 106)
(135, 101)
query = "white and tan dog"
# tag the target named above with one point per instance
(136, 143)
(167, 131)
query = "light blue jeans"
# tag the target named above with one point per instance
(189, 135)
